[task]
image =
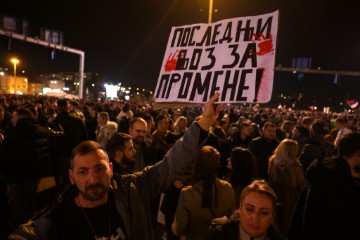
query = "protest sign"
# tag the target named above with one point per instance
(235, 57)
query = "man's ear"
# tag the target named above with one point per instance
(71, 176)
(111, 166)
(118, 156)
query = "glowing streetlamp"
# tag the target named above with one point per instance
(210, 10)
(15, 61)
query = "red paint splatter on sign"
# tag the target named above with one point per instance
(265, 45)
(171, 62)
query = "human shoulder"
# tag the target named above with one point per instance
(189, 195)
(37, 229)
(229, 230)
(337, 165)
(187, 188)
(71, 118)
(329, 168)
(313, 168)
(45, 225)
(257, 139)
(122, 180)
(223, 183)
(255, 142)
(156, 133)
(112, 126)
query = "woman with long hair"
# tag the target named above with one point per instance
(286, 177)
(208, 197)
(242, 167)
(180, 125)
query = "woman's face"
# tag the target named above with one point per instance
(256, 214)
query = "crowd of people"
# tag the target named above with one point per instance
(106, 169)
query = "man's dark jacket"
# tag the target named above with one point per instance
(26, 152)
(330, 206)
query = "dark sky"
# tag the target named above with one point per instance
(126, 40)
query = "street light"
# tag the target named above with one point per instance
(15, 61)
(210, 11)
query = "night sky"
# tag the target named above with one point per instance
(126, 40)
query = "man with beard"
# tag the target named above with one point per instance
(106, 205)
(145, 153)
(333, 195)
(145, 156)
(121, 152)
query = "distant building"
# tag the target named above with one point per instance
(69, 82)
(35, 88)
(9, 84)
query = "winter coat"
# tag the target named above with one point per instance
(26, 152)
(332, 199)
(231, 229)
